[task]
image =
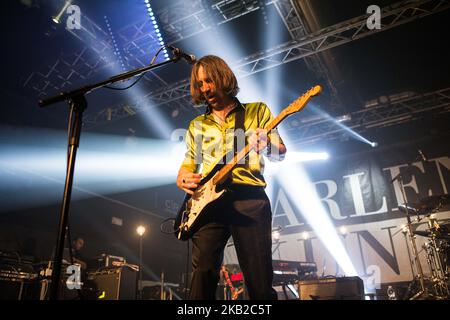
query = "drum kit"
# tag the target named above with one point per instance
(436, 248)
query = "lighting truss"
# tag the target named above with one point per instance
(185, 19)
(338, 34)
(324, 39)
(83, 64)
(176, 96)
(93, 58)
(173, 21)
(182, 20)
(297, 28)
(384, 112)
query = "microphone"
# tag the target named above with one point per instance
(422, 155)
(178, 53)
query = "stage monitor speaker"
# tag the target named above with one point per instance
(115, 283)
(344, 288)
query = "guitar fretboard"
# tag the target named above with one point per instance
(299, 104)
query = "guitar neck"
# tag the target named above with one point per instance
(295, 106)
(223, 173)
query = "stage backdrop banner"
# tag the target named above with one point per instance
(358, 192)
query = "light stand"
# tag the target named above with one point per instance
(140, 231)
(343, 232)
(78, 104)
(276, 241)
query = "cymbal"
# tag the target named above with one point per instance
(411, 209)
(434, 202)
(428, 234)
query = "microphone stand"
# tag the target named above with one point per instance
(424, 291)
(78, 105)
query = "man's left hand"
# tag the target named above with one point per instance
(258, 140)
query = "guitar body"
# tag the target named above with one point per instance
(194, 206)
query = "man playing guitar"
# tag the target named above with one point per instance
(244, 211)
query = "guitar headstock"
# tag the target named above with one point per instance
(301, 102)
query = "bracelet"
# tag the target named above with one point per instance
(269, 146)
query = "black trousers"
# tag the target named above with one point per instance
(244, 213)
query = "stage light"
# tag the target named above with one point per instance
(129, 110)
(57, 19)
(140, 230)
(108, 114)
(276, 235)
(343, 231)
(374, 144)
(404, 228)
(305, 235)
(175, 113)
(156, 27)
(344, 118)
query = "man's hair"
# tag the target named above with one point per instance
(219, 72)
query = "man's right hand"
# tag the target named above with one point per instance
(188, 181)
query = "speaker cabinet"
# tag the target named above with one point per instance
(345, 288)
(115, 283)
(18, 289)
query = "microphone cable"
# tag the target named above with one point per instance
(141, 76)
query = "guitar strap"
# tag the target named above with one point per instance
(238, 124)
(198, 141)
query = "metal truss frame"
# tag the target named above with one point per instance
(297, 28)
(182, 20)
(185, 19)
(96, 55)
(338, 34)
(176, 96)
(383, 112)
(307, 45)
(324, 39)
(81, 65)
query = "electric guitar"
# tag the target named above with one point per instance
(211, 187)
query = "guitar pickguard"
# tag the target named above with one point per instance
(203, 196)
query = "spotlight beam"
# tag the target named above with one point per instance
(86, 191)
(296, 182)
(107, 164)
(338, 123)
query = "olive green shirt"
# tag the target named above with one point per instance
(217, 140)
